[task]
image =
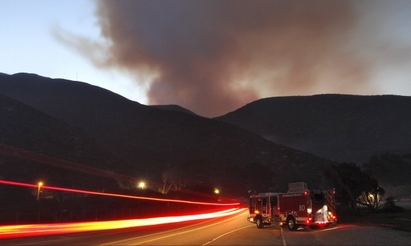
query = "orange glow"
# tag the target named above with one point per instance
(114, 195)
(12, 231)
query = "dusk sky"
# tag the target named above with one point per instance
(212, 56)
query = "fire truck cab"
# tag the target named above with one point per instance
(299, 207)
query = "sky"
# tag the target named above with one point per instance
(212, 56)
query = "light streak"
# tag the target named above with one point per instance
(114, 195)
(52, 161)
(29, 230)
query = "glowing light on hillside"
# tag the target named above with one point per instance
(39, 185)
(13, 231)
(141, 185)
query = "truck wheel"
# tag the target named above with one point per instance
(259, 222)
(292, 226)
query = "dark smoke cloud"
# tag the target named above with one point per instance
(214, 56)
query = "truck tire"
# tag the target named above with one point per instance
(292, 226)
(259, 222)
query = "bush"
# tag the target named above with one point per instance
(390, 207)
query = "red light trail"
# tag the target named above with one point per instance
(30, 230)
(113, 194)
(26, 154)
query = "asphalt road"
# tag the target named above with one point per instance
(233, 230)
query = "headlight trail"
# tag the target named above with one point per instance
(13, 231)
(114, 194)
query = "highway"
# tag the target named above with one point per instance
(231, 230)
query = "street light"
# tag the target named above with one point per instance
(216, 191)
(141, 185)
(39, 184)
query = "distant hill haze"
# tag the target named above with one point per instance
(150, 142)
(343, 128)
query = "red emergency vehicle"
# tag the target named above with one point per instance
(299, 207)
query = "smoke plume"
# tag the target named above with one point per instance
(214, 56)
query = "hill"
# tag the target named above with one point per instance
(35, 146)
(174, 107)
(343, 128)
(168, 146)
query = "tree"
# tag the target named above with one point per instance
(184, 175)
(172, 178)
(393, 171)
(355, 188)
(373, 199)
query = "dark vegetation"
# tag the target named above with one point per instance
(74, 135)
(392, 172)
(355, 188)
(362, 200)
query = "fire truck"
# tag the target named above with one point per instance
(299, 207)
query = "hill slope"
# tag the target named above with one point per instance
(342, 128)
(154, 141)
(29, 139)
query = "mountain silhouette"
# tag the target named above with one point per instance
(150, 141)
(343, 128)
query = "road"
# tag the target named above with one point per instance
(233, 230)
